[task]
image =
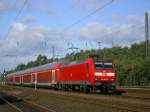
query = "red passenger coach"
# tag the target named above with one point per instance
(87, 75)
(43, 75)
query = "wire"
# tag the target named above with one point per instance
(67, 28)
(18, 14)
(87, 16)
(20, 11)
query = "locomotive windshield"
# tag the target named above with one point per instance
(103, 64)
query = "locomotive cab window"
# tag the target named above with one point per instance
(108, 64)
(98, 64)
(103, 64)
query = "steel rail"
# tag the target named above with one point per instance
(40, 106)
(12, 105)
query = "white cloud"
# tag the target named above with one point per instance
(123, 34)
(24, 41)
(18, 26)
(28, 19)
(116, 17)
(27, 40)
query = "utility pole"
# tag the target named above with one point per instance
(146, 35)
(73, 48)
(100, 50)
(112, 44)
(53, 52)
(99, 45)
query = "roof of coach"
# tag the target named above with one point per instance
(34, 69)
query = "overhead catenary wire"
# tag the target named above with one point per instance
(84, 18)
(15, 18)
(68, 27)
(92, 13)
(14, 5)
(18, 14)
(88, 15)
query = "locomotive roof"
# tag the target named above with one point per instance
(73, 62)
(35, 69)
(83, 60)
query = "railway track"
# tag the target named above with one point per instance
(12, 106)
(137, 97)
(23, 105)
(121, 103)
(117, 103)
(86, 101)
(119, 106)
(137, 94)
(134, 96)
(138, 90)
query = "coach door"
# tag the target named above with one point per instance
(53, 76)
(33, 78)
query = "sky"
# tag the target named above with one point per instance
(46, 23)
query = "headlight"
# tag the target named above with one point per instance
(110, 74)
(98, 74)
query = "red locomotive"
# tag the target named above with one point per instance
(91, 74)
